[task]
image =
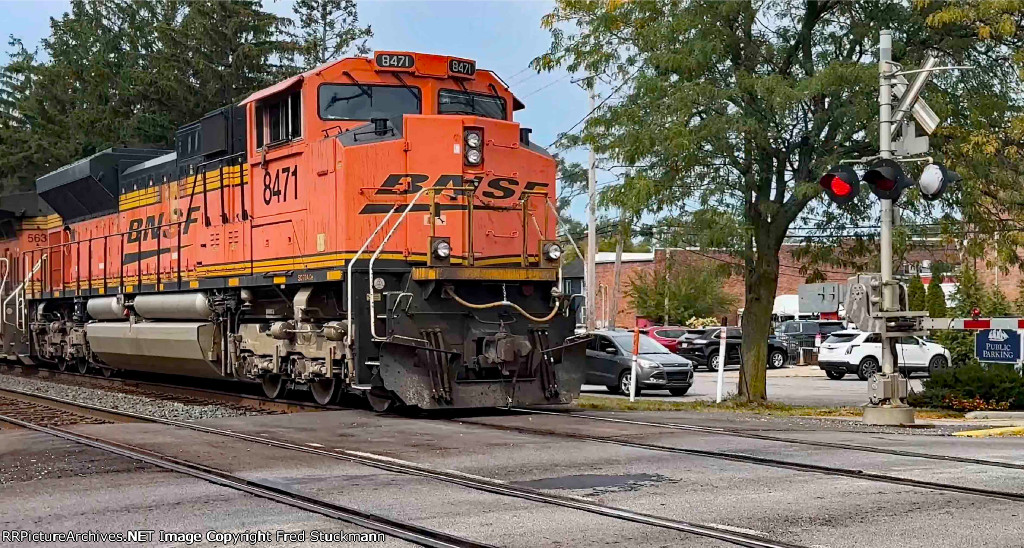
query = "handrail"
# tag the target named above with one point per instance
(352, 263)
(18, 294)
(373, 318)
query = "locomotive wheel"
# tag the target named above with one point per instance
(274, 386)
(62, 364)
(82, 365)
(324, 390)
(107, 372)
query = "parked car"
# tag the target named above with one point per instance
(704, 350)
(666, 335)
(860, 353)
(805, 332)
(609, 362)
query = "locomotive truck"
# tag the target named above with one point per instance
(378, 225)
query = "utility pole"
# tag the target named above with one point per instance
(592, 228)
(613, 305)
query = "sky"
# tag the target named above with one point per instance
(503, 36)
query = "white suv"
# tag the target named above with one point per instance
(861, 353)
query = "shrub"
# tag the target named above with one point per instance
(973, 387)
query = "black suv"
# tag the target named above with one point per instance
(804, 332)
(703, 351)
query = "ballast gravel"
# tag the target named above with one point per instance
(154, 407)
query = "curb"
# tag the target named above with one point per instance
(1012, 415)
(992, 432)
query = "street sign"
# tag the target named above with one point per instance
(818, 298)
(998, 346)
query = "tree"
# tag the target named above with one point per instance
(120, 72)
(731, 111)
(692, 290)
(916, 294)
(936, 299)
(329, 29)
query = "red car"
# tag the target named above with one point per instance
(668, 336)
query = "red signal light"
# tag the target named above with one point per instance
(976, 312)
(841, 184)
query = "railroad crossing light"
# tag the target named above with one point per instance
(841, 184)
(934, 180)
(975, 313)
(887, 180)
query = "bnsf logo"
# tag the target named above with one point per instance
(143, 230)
(499, 188)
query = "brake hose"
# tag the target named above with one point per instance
(505, 302)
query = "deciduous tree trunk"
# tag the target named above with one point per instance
(761, 282)
(613, 306)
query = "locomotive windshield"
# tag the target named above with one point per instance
(363, 102)
(450, 101)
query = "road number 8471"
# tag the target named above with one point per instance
(281, 186)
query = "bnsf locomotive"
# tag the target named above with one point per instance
(375, 225)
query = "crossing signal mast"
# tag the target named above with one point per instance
(877, 302)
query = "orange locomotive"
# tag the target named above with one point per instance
(376, 224)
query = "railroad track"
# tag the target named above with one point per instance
(172, 392)
(470, 481)
(732, 432)
(764, 461)
(398, 529)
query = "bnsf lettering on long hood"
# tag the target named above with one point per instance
(495, 188)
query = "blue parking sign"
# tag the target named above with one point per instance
(998, 346)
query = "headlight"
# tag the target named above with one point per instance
(473, 156)
(442, 249)
(553, 251)
(648, 364)
(472, 140)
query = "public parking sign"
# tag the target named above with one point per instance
(998, 346)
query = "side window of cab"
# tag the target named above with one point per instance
(279, 119)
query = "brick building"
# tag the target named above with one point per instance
(790, 276)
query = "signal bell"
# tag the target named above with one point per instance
(934, 180)
(841, 184)
(886, 179)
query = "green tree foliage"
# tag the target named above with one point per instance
(916, 294)
(983, 142)
(693, 290)
(127, 73)
(732, 110)
(329, 29)
(1018, 304)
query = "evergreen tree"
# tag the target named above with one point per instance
(936, 299)
(997, 304)
(329, 29)
(916, 294)
(121, 72)
(1018, 304)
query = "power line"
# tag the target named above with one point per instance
(546, 86)
(599, 105)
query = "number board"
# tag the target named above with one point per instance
(461, 67)
(393, 61)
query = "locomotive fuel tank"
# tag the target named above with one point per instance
(178, 348)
